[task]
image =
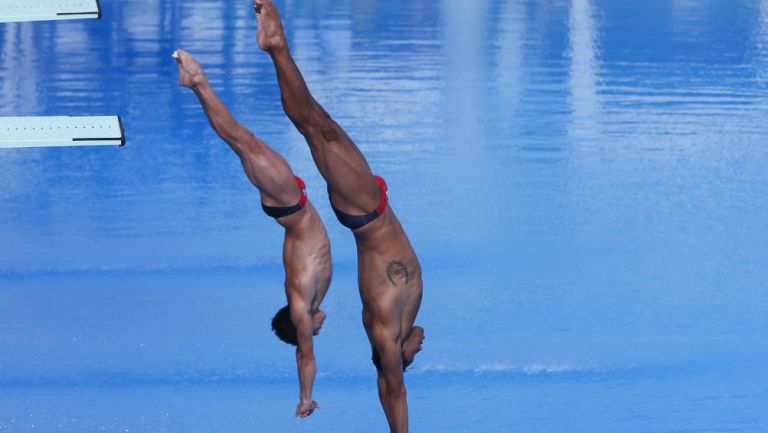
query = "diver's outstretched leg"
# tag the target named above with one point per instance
(352, 185)
(265, 168)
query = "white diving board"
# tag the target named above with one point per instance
(47, 10)
(61, 131)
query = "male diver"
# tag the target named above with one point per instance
(389, 274)
(306, 249)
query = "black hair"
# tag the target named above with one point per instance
(284, 327)
(376, 359)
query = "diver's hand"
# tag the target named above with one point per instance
(306, 407)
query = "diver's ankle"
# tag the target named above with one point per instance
(279, 50)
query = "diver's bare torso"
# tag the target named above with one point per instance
(389, 273)
(306, 256)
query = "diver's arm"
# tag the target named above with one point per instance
(305, 357)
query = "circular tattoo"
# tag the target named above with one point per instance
(397, 273)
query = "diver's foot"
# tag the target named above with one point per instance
(270, 34)
(190, 72)
(412, 345)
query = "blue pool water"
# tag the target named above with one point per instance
(584, 180)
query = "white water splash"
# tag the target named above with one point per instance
(506, 367)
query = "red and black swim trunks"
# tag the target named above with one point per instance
(282, 211)
(355, 222)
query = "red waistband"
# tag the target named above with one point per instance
(303, 189)
(383, 199)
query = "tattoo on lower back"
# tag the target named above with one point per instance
(397, 273)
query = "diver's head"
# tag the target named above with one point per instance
(410, 347)
(285, 330)
(283, 326)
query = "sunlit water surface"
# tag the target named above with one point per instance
(584, 180)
